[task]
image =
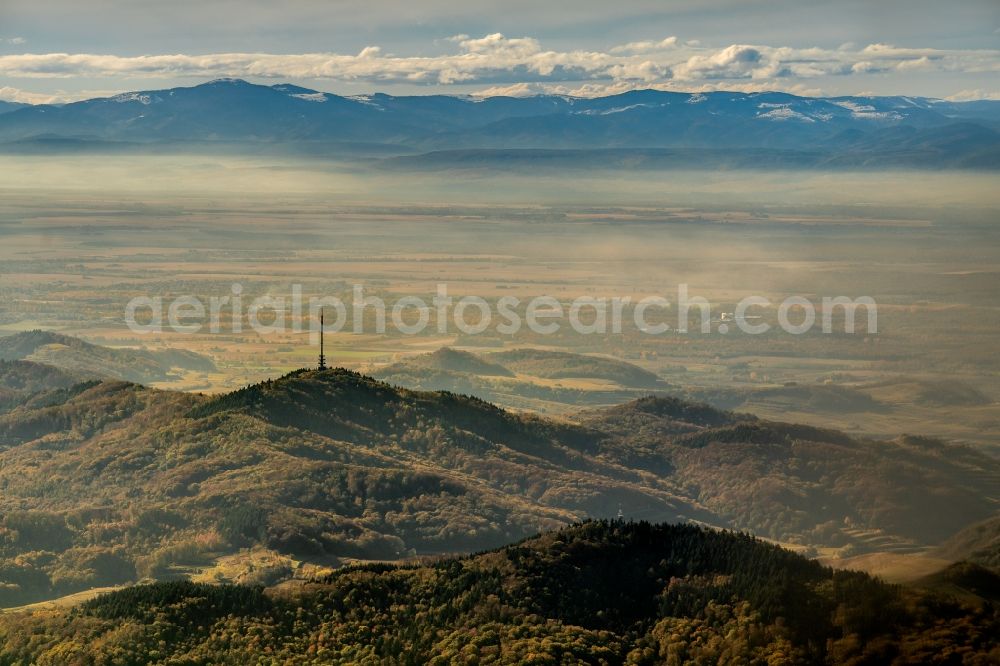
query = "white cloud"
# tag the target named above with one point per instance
(614, 88)
(500, 62)
(8, 94)
(923, 62)
(647, 47)
(515, 90)
(733, 62)
(499, 46)
(978, 93)
(866, 67)
(15, 41)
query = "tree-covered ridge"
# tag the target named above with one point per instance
(600, 592)
(165, 481)
(28, 377)
(766, 476)
(651, 417)
(316, 467)
(22, 380)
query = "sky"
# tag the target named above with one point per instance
(64, 50)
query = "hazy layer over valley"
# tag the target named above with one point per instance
(924, 246)
(292, 477)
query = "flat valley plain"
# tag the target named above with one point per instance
(79, 239)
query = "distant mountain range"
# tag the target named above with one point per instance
(662, 129)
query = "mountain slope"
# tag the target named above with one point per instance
(979, 543)
(7, 107)
(593, 593)
(965, 580)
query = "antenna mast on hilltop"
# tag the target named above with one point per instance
(322, 357)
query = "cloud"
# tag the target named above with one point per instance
(867, 67)
(923, 62)
(978, 93)
(515, 90)
(501, 47)
(491, 58)
(733, 62)
(646, 47)
(614, 88)
(523, 64)
(8, 94)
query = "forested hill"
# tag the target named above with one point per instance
(84, 359)
(600, 593)
(109, 483)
